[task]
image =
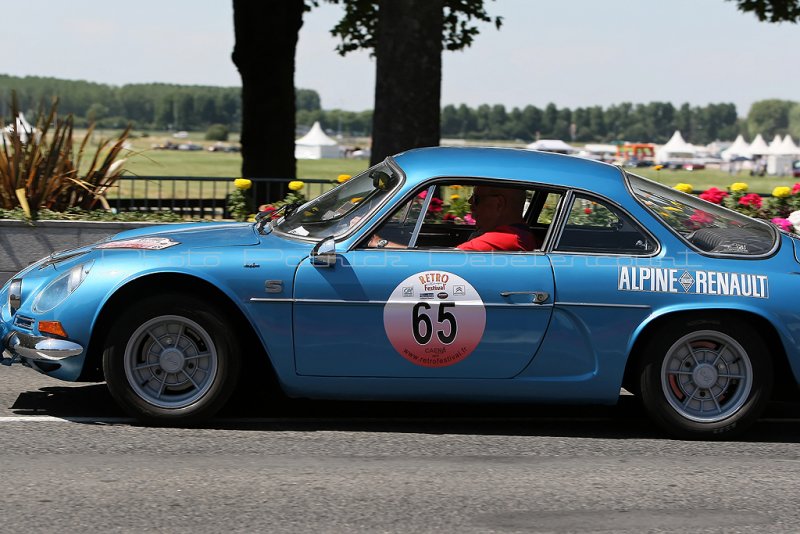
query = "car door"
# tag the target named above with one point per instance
(420, 312)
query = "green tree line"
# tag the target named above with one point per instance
(182, 107)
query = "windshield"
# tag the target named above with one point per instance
(340, 209)
(706, 226)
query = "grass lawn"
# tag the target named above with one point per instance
(147, 161)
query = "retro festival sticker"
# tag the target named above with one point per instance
(434, 319)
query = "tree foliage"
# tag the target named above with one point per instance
(358, 27)
(771, 10)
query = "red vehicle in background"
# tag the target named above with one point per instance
(637, 154)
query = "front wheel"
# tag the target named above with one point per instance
(171, 360)
(706, 379)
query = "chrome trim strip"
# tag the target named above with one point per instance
(604, 305)
(384, 302)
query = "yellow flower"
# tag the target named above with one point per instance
(296, 185)
(739, 187)
(342, 178)
(455, 187)
(670, 208)
(685, 188)
(455, 197)
(251, 217)
(242, 183)
(657, 167)
(781, 192)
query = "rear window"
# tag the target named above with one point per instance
(705, 226)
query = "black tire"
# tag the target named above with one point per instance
(171, 360)
(705, 378)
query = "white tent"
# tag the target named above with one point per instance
(788, 146)
(24, 129)
(316, 145)
(739, 149)
(782, 153)
(552, 145)
(676, 149)
(759, 147)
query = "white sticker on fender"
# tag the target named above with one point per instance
(695, 282)
(434, 318)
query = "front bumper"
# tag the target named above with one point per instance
(37, 348)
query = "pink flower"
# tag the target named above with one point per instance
(796, 188)
(468, 219)
(713, 195)
(752, 200)
(784, 224)
(423, 194)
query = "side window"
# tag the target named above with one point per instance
(596, 227)
(450, 210)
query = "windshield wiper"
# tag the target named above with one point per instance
(267, 218)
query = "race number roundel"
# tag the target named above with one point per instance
(434, 319)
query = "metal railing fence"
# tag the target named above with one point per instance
(203, 197)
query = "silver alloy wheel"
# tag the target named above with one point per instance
(706, 376)
(170, 361)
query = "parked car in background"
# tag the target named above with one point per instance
(689, 306)
(796, 169)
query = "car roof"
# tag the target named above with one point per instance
(511, 164)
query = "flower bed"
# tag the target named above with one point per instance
(782, 208)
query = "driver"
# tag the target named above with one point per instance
(498, 222)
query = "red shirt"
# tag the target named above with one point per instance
(514, 237)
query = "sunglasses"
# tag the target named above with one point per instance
(474, 200)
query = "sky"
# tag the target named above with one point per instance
(573, 53)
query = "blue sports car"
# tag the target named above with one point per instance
(363, 293)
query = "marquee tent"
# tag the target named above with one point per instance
(759, 147)
(316, 145)
(782, 153)
(23, 127)
(676, 149)
(552, 145)
(739, 149)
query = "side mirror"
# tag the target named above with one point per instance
(382, 181)
(324, 253)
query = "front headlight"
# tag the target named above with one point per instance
(14, 295)
(59, 289)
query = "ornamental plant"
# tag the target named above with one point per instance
(43, 169)
(239, 202)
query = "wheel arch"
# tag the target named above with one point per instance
(252, 348)
(785, 386)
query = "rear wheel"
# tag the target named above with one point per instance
(706, 379)
(171, 360)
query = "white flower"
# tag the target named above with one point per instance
(794, 218)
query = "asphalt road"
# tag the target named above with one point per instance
(70, 461)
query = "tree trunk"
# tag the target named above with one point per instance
(266, 41)
(408, 76)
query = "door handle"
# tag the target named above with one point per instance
(538, 296)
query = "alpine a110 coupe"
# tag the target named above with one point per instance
(376, 290)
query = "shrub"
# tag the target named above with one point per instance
(39, 169)
(217, 132)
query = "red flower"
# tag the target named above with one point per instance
(701, 217)
(449, 217)
(713, 195)
(436, 205)
(752, 200)
(796, 189)
(587, 211)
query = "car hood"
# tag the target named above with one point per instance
(198, 235)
